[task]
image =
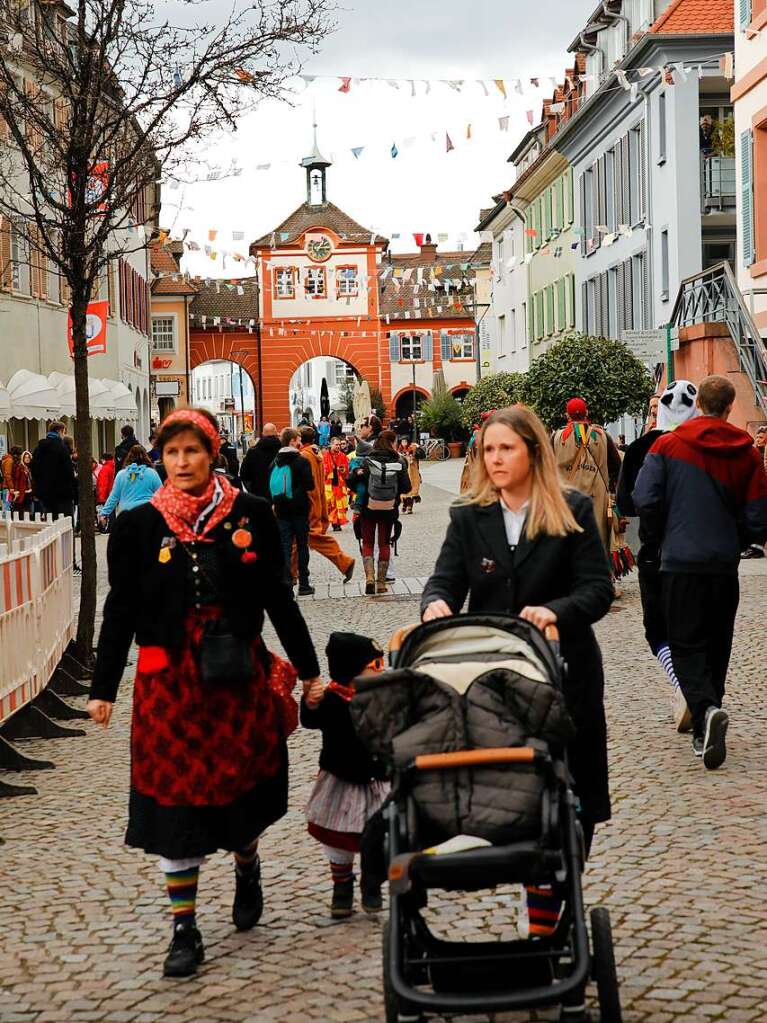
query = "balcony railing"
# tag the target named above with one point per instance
(717, 182)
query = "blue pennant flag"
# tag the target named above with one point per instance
(357, 152)
(394, 151)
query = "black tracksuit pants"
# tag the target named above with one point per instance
(700, 618)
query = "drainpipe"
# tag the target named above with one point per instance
(592, 48)
(618, 17)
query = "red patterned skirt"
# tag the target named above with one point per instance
(208, 763)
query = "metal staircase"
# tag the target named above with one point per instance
(713, 296)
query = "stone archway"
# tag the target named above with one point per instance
(238, 346)
(286, 347)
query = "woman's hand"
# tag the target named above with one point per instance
(100, 712)
(437, 609)
(540, 616)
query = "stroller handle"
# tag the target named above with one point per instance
(475, 757)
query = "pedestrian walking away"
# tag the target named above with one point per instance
(53, 474)
(290, 484)
(675, 406)
(134, 485)
(702, 497)
(257, 464)
(128, 441)
(588, 460)
(319, 517)
(384, 477)
(191, 575)
(336, 467)
(350, 787)
(524, 542)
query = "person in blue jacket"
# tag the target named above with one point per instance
(133, 485)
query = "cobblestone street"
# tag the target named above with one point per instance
(681, 866)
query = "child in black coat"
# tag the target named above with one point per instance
(350, 788)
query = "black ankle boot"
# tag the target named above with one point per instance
(342, 905)
(186, 951)
(248, 898)
(372, 900)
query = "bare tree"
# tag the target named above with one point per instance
(96, 106)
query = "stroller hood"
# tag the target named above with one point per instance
(469, 683)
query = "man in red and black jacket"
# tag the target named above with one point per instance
(702, 497)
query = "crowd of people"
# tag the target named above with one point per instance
(197, 564)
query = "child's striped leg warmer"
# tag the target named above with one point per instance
(543, 908)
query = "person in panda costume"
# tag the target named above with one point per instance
(676, 406)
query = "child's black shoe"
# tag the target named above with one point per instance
(372, 900)
(342, 905)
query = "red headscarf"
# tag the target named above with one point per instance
(191, 518)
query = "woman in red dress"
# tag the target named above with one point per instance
(191, 574)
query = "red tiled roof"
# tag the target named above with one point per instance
(166, 266)
(220, 298)
(306, 216)
(396, 302)
(689, 17)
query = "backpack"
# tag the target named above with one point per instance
(281, 484)
(383, 491)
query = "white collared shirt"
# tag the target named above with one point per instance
(514, 521)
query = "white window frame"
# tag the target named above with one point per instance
(347, 282)
(313, 275)
(467, 341)
(279, 282)
(173, 347)
(343, 372)
(411, 348)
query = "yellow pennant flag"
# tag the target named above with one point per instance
(501, 86)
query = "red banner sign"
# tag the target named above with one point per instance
(95, 328)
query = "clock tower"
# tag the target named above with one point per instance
(316, 167)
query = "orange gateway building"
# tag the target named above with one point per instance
(330, 288)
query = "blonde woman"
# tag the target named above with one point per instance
(524, 543)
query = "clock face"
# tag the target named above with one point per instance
(319, 249)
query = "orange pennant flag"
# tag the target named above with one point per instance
(468, 131)
(212, 236)
(501, 86)
(243, 75)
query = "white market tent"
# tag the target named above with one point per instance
(5, 404)
(33, 396)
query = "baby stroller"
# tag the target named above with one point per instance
(472, 722)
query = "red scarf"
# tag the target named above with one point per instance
(182, 511)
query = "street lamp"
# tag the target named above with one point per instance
(237, 355)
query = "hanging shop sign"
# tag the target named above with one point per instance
(95, 329)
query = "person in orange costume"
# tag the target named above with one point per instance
(319, 520)
(336, 466)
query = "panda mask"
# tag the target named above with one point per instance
(677, 405)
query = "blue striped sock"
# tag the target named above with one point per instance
(664, 657)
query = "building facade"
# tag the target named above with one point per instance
(508, 296)
(653, 165)
(171, 298)
(749, 96)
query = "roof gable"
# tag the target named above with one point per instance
(327, 215)
(690, 17)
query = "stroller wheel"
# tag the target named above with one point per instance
(603, 966)
(396, 1010)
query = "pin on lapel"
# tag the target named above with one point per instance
(487, 565)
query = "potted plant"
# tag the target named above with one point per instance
(441, 416)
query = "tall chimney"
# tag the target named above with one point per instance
(429, 249)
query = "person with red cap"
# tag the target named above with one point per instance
(587, 459)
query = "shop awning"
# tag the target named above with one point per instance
(32, 396)
(5, 403)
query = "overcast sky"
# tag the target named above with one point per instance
(424, 188)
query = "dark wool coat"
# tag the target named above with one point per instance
(147, 597)
(571, 576)
(52, 471)
(257, 466)
(343, 753)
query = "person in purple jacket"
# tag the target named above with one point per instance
(702, 497)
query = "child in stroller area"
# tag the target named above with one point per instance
(350, 786)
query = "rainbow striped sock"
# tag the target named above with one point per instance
(543, 908)
(342, 872)
(182, 889)
(246, 859)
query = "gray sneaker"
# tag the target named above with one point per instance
(714, 736)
